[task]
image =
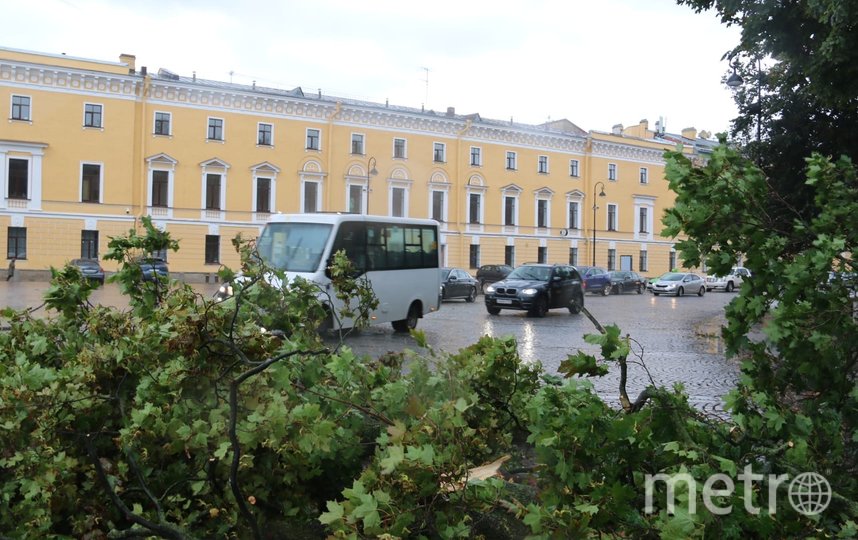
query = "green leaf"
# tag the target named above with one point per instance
(395, 456)
(726, 465)
(334, 513)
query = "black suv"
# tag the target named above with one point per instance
(536, 288)
(489, 273)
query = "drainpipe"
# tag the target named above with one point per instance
(144, 95)
(459, 224)
(338, 109)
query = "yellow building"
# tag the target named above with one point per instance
(91, 146)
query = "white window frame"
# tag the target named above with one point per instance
(608, 217)
(612, 172)
(163, 163)
(100, 181)
(83, 119)
(644, 175)
(404, 148)
(574, 168)
(443, 148)
(319, 193)
(307, 139)
(154, 122)
(34, 154)
(29, 106)
(540, 160)
(259, 129)
(649, 204)
(514, 192)
(213, 166)
(546, 195)
(444, 191)
(476, 151)
(360, 184)
(406, 195)
(511, 155)
(222, 129)
(475, 186)
(354, 138)
(264, 170)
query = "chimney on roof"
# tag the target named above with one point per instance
(129, 59)
(451, 111)
(617, 129)
(689, 133)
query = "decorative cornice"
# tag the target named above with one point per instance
(627, 152)
(65, 79)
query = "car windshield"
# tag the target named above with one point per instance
(294, 247)
(445, 273)
(671, 277)
(532, 273)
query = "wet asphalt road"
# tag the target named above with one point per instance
(680, 337)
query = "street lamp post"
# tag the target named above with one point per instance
(601, 194)
(370, 172)
(735, 80)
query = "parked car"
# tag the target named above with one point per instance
(596, 279)
(90, 268)
(456, 283)
(678, 284)
(489, 273)
(536, 288)
(626, 281)
(152, 267)
(731, 281)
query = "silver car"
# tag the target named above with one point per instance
(678, 284)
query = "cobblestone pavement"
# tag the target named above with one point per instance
(680, 337)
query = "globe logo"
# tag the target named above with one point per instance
(809, 493)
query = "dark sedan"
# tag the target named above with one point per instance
(626, 281)
(90, 269)
(154, 268)
(456, 283)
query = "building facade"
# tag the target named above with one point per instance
(91, 146)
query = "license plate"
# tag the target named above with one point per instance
(504, 301)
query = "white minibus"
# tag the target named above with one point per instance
(399, 257)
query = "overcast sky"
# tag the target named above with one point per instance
(595, 62)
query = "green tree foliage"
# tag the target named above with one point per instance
(799, 62)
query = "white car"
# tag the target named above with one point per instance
(730, 282)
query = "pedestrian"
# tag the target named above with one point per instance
(11, 272)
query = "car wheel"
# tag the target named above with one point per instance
(655, 294)
(493, 310)
(410, 321)
(640, 289)
(540, 307)
(606, 290)
(680, 291)
(443, 293)
(729, 286)
(576, 304)
(702, 291)
(708, 289)
(471, 295)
